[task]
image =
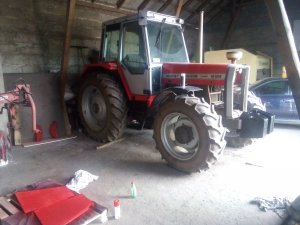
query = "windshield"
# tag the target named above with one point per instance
(166, 43)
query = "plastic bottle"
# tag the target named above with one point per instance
(117, 209)
(133, 190)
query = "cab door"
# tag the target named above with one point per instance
(133, 58)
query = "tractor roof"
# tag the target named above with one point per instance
(143, 16)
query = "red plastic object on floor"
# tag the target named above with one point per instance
(39, 134)
(53, 130)
(64, 212)
(37, 199)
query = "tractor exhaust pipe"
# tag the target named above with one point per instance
(201, 37)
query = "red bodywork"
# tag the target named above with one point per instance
(196, 75)
(12, 98)
(116, 68)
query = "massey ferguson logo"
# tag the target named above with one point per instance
(196, 76)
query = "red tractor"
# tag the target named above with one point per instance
(144, 75)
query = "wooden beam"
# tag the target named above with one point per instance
(217, 14)
(106, 8)
(164, 6)
(179, 7)
(234, 19)
(186, 4)
(143, 5)
(198, 9)
(120, 3)
(286, 45)
(65, 60)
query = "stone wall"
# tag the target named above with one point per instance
(3, 116)
(32, 34)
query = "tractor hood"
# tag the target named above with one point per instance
(196, 73)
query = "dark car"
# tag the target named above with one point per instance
(277, 96)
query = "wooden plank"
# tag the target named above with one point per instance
(231, 28)
(31, 144)
(14, 118)
(164, 6)
(179, 8)
(106, 7)
(120, 3)
(88, 217)
(143, 5)
(187, 3)
(198, 9)
(109, 144)
(8, 206)
(3, 214)
(65, 61)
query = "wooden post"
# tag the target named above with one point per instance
(286, 45)
(179, 7)
(65, 60)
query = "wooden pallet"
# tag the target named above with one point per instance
(7, 207)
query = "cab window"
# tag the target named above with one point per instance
(112, 37)
(133, 54)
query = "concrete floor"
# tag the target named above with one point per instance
(221, 195)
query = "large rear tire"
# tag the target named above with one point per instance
(189, 134)
(102, 108)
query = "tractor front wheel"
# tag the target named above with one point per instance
(189, 134)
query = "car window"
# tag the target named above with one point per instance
(274, 87)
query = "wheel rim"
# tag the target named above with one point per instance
(180, 136)
(94, 108)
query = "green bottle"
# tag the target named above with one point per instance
(133, 190)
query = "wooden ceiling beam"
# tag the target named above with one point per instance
(217, 14)
(143, 5)
(179, 8)
(164, 6)
(106, 7)
(187, 3)
(198, 9)
(120, 3)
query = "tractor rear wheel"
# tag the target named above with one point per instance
(189, 134)
(102, 108)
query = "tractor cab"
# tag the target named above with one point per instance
(141, 44)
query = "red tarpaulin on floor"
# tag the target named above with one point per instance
(37, 199)
(65, 211)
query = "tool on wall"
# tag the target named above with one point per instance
(21, 95)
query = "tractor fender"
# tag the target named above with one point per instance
(169, 94)
(105, 67)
